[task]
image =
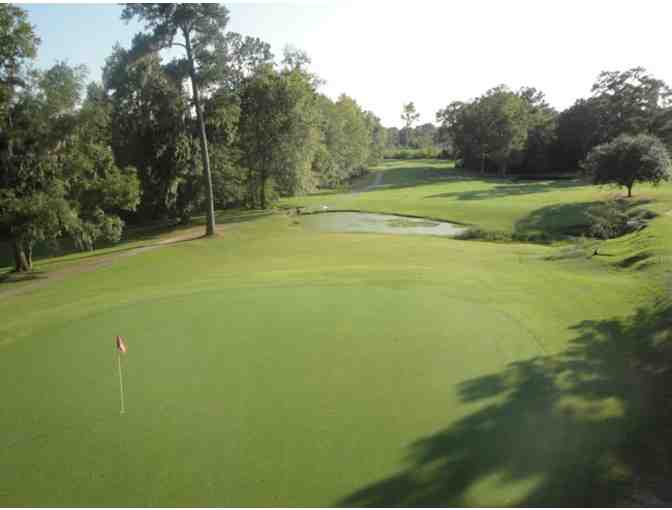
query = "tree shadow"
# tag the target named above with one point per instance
(148, 234)
(584, 427)
(510, 189)
(9, 277)
(566, 219)
(557, 220)
(409, 176)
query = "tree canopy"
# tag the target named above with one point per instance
(201, 27)
(629, 159)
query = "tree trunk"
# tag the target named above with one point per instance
(483, 162)
(629, 190)
(210, 225)
(263, 191)
(28, 252)
(21, 263)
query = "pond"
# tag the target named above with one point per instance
(379, 223)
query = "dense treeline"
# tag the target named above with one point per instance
(223, 125)
(227, 124)
(517, 131)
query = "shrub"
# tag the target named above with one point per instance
(609, 219)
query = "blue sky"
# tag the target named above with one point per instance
(385, 53)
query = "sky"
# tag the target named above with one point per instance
(431, 52)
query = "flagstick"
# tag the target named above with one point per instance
(121, 384)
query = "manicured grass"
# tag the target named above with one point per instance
(434, 189)
(278, 366)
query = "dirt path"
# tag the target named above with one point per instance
(39, 280)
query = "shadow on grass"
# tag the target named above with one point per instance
(148, 235)
(510, 189)
(561, 220)
(588, 426)
(419, 175)
(10, 277)
(557, 220)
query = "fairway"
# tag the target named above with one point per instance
(435, 189)
(280, 366)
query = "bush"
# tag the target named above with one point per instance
(498, 236)
(610, 219)
(483, 235)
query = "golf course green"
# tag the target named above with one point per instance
(281, 365)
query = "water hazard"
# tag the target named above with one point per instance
(379, 223)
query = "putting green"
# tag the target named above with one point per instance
(257, 396)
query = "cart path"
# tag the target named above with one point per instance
(39, 280)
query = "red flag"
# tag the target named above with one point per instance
(121, 345)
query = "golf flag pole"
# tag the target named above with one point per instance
(121, 349)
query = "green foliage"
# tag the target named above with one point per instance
(406, 153)
(410, 116)
(630, 100)
(349, 141)
(148, 115)
(491, 128)
(39, 119)
(628, 160)
(424, 136)
(201, 24)
(57, 177)
(579, 128)
(277, 131)
(18, 47)
(97, 189)
(608, 219)
(201, 27)
(378, 139)
(536, 155)
(623, 102)
(37, 215)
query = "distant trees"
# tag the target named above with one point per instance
(425, 135)
(489, 129)
(537, 155)
(351, 139)
(579, 128)
(410, 116)
(278, 131)
(629, 159)
(423, 141)
(630, 101)
(504, 130)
